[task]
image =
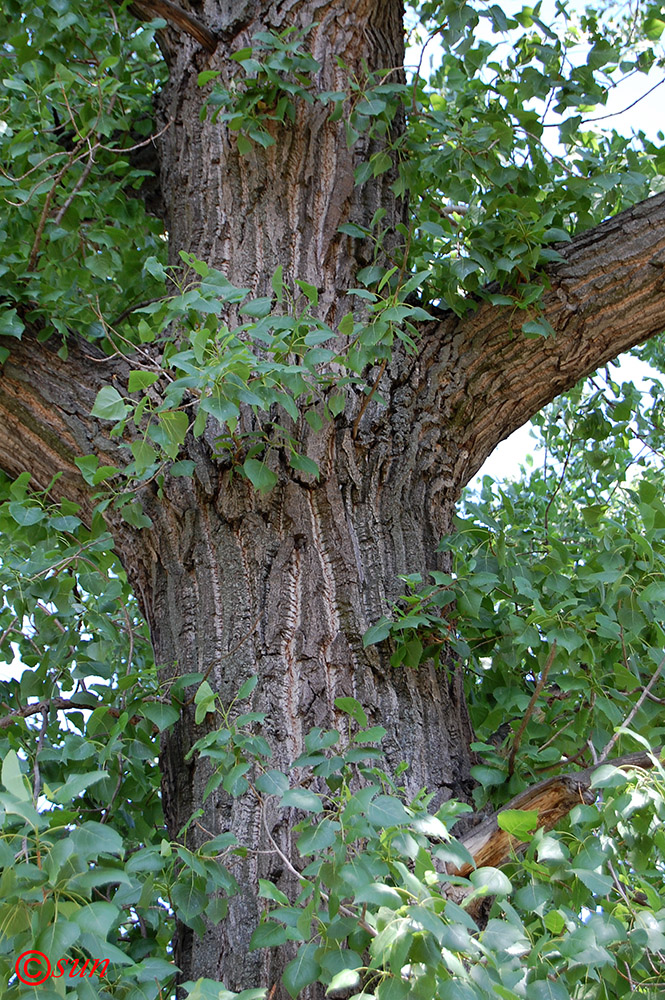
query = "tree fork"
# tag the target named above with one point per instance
(299, 575)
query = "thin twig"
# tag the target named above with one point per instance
(529, 709)
(32, 260)
(60, 705)
(372, 931)
(638, 704)
(138, 145)
(10, 628)
(118, 785)
(40, 743)
(77, 187)
(130, 309)
(368, 397)
(557, 488)
(229, 652)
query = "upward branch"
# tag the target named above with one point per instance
(485, 379)
(176, 16)
(45, 405)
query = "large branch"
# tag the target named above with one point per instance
(552, 799)
(147, 10)
(45, 405)
(485, 379)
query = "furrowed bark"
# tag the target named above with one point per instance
(45, 405)
(283, 586)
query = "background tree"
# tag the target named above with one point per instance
(263, 375)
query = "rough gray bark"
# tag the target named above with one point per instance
(283, 586)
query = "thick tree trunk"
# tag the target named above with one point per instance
(284, 586)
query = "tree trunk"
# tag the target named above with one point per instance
(284, 586)
(234, 583)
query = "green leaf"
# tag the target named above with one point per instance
(257, 308)
(607, 776)
(304, 464)
(318, 837)
(247, 687)
(14, 781)
(599, 884)
(309, 291)
(26, 515)
(141, 380)
(76, 784)
(211, 74)
(270, 934)
(518, 822)
(301, 798)
(344, 980)
(547, 989)
(273, 782)
(10, 324)
(134, 514)
(269, 891)
(171, 431)
(377, 633)
(302, 970)
(538, 328)
(336, 404)
(160, 714)
(385, 810)
(261, 477)
(185, 467)
(219, 407)
(277, 282)
(351, 706)
(379, 894)
(109, 404)
(97, 918)
(144, 454)
(491, 880)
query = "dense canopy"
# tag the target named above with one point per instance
(281, 716)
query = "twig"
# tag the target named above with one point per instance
(138, 145)
(529, 709)
(77, 187)
(613, 114)
(40, 743)
(570, 759)
(229, 652)
(130, 309)
(10, 628)
(118, 785)
(557, 488)
(638, 704)
(372, 931)
(60, 705)
(32, 260)
(368, 397)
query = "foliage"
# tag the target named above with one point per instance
(278, 71)
(72, 106)
(554, 603)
